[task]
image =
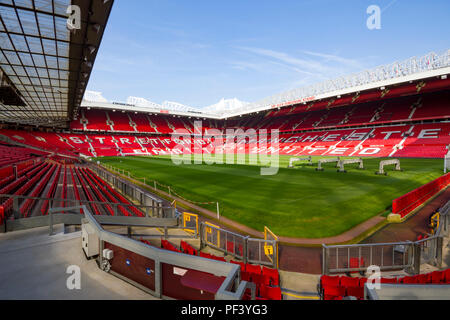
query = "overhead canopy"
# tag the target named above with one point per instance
(45, 67)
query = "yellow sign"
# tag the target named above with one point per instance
(435, 222)
(193, 226)
(214, 238)
(268, 250)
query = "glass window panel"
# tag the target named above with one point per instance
(63, 49)
(28, 21)
(49, 46)
(53, 73)
(62, 33)
(39, 60)
(2, 58)
(44, 5)
(45, 82)
(10, 19)
(25, 80)
(46, 25)
(35, 44)
(19, 42)
(63, 63)
(64, 75)
(52, 62)
(19, 71)
(12, 57)
(4, 40)
(31, 71)
(61, 7)
(26, 59)
(24, 3)
(8, 69)
(42, 72)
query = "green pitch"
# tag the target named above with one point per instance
(299, 202)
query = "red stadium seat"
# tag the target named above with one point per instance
(331, 292)
(349, 282)
(183, 246)
(258, 279)
(362, 282)
(230, 246)
(437, 277)
(253, 268)
(357, 292)
(239, 263)
(356, 263)
(192, 251)
(102, 144)
(205, 255)
(217, 258)
(272, 275)
(330, 281)
(270, 293)
(2, 215)
(408, 280)
(447, 276)
(388, 280)
(246, 276)
(423, 278)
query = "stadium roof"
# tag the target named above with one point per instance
(397, 73)
(45, 67)
(412, 69)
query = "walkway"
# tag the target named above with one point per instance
(34, 266)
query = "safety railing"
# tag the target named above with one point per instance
(249, 250)
(358, 257)
(406, 255)
(15, 219)
(431, 247)
(132, 191)
(262, 251)
(228, 242)
(162, 273)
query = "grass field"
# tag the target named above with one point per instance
(299, 202)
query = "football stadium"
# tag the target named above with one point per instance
(331, 190)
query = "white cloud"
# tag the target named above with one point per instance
(308, 65)
(353, 63)
(314, 65)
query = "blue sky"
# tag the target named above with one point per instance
(197, 52)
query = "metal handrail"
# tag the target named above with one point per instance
(416, 246)
(219, 268)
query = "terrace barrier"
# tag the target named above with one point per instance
(162, 273)
(249, 250)
(14, 220)
(131, 190)
(410, 201)
(406, 255)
